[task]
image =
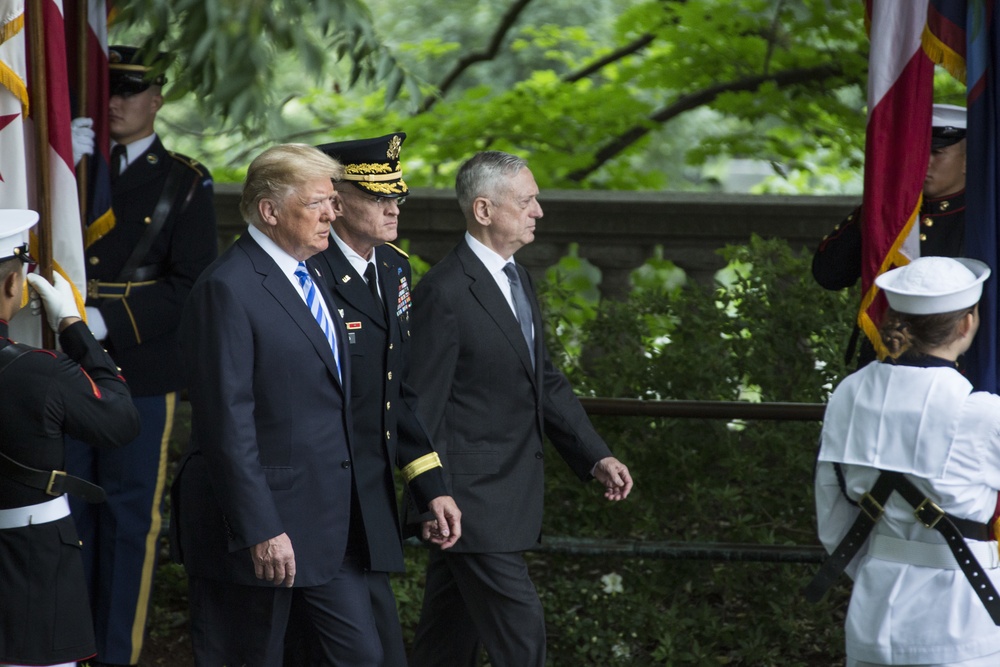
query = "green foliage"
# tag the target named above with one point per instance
(230, 48)
(618, 94)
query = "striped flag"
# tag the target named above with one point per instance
(20, 189)
(99, 216)
(897, 146)
(14, 106)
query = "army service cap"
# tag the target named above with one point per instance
(128, 72)
(372, 164)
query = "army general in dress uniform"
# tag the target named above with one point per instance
(837, 262)
(370, 282)
(44, 608)
(140, 268)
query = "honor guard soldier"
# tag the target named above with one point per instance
(45, 395)
(140, 268)
(837, 262)
(370, 281)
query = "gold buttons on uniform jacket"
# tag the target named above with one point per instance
(388, 435)
(390, 345)
(389, 375)
(945, 205)
(147, 220)
(923, 237)
(388, 405)
(928, 222)
(94, 261)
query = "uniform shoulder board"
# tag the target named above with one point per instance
(190, 163)
(399, 250)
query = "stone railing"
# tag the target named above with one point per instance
(616, 231)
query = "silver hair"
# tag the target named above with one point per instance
(485, 175)
(279, 171)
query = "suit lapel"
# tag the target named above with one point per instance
(484, 288)
(351, 287)
(278, 285)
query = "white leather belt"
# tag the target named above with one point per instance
(926, 554)
(18, 517)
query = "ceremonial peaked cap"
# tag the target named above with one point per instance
(947, 125)
(372, 164)
(128, 72)
(13, 224)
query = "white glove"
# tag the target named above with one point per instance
(83, 138)
(96, 323)
(59, 300)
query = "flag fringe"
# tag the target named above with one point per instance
(942, 54)
(893, 257)
(98, 228)
(11, 28)
(15, 84)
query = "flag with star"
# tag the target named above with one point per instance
(24, 185)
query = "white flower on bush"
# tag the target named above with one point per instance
(612, 583)
(621, 650)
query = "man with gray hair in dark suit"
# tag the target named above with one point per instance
(488, 392)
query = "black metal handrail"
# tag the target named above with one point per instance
(711, 551)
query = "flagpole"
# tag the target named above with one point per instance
(40, 111)
(82, 37)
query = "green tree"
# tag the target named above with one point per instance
(626, 95)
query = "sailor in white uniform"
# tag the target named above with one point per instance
(910, 459)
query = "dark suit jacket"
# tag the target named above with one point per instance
(486, 406)
(142, 327)
(386, 430)
(270, 438)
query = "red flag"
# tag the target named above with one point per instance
(897, 146)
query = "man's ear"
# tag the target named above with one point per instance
(267, 210)
(10, 284)
(481, 210)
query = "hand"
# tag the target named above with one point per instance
(274, 561)
(58, 299)
(96, 323)
(445, 529)
(615, 477)
(83, 138)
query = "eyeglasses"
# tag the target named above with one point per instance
(384, 202)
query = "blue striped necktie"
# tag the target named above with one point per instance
(312, 300)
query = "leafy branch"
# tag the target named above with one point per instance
(784, 79)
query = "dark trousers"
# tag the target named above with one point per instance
(479, 599)
(302, 650)
(237, 626)
(120, 536)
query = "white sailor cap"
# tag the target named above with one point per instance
(14, 225)
(930, 285)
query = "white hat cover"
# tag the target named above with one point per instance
(930, 285)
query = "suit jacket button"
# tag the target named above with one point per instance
(538, 455)
(345, 464)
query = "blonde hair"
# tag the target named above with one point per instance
(278, 172)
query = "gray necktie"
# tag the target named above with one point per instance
(521, 307)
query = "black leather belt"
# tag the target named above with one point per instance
(954, 530)
(53, 482)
